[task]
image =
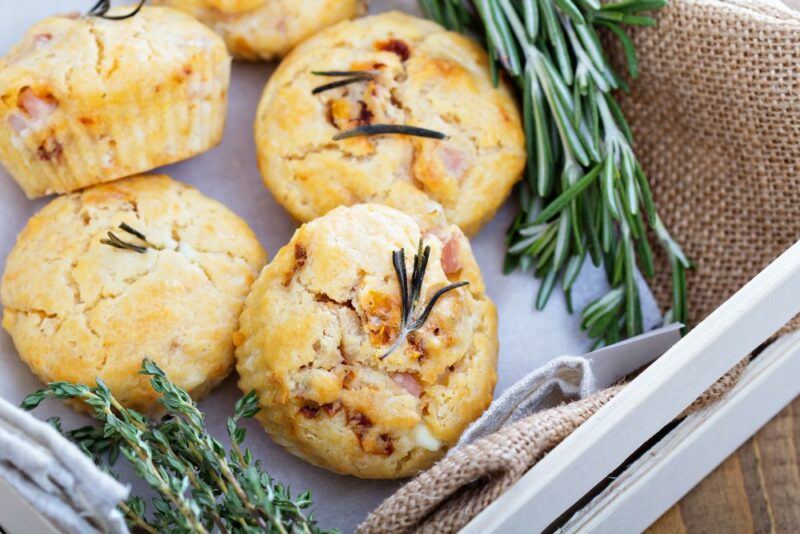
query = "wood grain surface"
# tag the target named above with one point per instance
(757, 489)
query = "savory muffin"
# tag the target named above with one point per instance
(145, 267)
(320, 339)
(267, 29)
(88, 100)
(402, 71)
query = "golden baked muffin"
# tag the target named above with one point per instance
(418, 74)
(340, 383)
(88, 100)
(267, 29)
(78, 307)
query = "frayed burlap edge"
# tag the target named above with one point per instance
(451, 493)
(454, 490)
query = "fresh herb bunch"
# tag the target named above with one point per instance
(199, 488)
(585, 193)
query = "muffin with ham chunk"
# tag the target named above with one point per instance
(86, 100)
(267, 29)
(354, 372)
(144, 267)
(391, 109)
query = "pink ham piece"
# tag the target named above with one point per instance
(17, 123)
(408, 382)
(453, 160)
(42, 39)
(450, 260)
(36, 107)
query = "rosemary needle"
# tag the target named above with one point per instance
(340, 73)
(411, 291)
(341, 83)
(101, 8)
(383, 129)
(114, 241)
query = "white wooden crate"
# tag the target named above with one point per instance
(650, 402)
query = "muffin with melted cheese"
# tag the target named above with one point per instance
(267, 29)
(88, 100)
(411, 72)
(319, 340)
(78, 308)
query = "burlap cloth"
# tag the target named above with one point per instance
(716, 118)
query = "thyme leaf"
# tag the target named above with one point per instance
(410, 292)
(102, 7)
(384, 129)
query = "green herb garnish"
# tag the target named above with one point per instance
(102, 7)
(410, 292)
(351, 76)
(383, 129)
(116, 242)
(586, 193)
(199, 488)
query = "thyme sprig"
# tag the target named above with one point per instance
(384, 129)
(411, 291)
(102, 7)
(116, 242)
(586, 193)
(199, 487)
(349, 76)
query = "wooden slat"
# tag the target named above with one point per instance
(768, 463)
(690, 451)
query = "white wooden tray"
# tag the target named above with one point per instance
(650, 402)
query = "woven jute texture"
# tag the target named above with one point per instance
(716, 117)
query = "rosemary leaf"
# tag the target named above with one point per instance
(341, 83)
(384, 129)
(102, 7)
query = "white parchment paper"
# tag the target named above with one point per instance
(229, 174)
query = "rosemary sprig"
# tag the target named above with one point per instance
(351, 76)
(116, 242)
(586, 193)
(411, 291)
(199, 488)
(101, 8)
(383, 129)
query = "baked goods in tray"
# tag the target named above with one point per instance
(404, 71)
(267, 29)
(80, 303)
(88, 100)
(339, 383)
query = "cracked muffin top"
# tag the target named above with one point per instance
(320, 341)
(80, 303)
(410, 72)
(266, 29)
(84, 100)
